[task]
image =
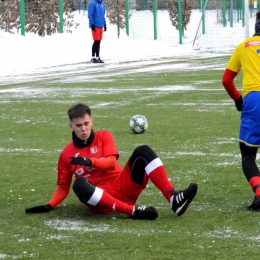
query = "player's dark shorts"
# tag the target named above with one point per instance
(250, 120)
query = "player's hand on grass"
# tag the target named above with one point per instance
(39, 209)
(239, 103)
(81, 161)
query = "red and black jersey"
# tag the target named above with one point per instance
(102, 146)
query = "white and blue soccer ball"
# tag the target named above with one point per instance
(138, 124)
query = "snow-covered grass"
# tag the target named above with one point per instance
(25, 55)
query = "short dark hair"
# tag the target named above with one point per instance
(257, 17)
(79, 110)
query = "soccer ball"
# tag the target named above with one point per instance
(138, 124)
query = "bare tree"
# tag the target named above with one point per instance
(116, 13)
(187, 6)
(41, 16)
(9, 16)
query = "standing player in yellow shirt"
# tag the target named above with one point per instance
(247, 56)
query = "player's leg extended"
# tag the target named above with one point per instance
(94, 196)
(251, 172)
(144, 162)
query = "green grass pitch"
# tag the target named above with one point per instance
(193, 127)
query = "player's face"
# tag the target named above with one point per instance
(82, 126)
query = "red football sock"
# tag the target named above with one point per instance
(158, 176)
(102, 198)
(255, 185)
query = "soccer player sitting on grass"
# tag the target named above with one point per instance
(247, 56)
(100, 182)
